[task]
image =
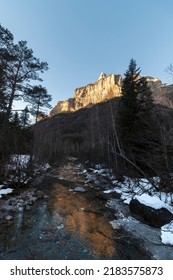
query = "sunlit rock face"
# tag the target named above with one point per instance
(166, 96)
(155, 85)
(108, 87)
(105, 88)
(162, 93)
(63, 106)
(102, 76)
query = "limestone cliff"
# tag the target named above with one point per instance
(105, 88)
(64, 106)
(155, 85)
(108, 87)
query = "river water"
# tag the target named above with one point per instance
(66, 224)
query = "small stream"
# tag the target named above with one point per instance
(66, 224)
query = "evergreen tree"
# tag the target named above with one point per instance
(24, 117)
(129, 104)
(6, 37)
(16, 120)
(136, 100)
(18, 67)
(134, 118)
(6, 40)
(39, 98)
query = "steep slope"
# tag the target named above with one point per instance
(86, 132)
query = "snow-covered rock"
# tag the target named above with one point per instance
(167, 233)
(5, 191)
(149, 212)
(152, 201)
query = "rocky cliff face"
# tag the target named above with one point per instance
(105, 88)
(64, 106)
(155, 85)
(108, 87)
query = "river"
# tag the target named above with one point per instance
(67, 223)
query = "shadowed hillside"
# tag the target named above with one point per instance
(84, 133)
(91, 133)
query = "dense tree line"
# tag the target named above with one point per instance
(143, 139)
(19, 69)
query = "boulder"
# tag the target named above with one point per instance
(148, 215)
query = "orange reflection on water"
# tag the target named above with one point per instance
(81, 216)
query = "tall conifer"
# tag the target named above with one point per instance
(135, 105)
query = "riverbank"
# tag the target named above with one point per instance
(68, 215)
(148, 236)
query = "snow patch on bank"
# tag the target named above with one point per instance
(153, 201)
(167, 233)
(18, 171)
(142, 189)
(5, 191)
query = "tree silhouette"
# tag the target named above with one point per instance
(134, 115)
(39, 99)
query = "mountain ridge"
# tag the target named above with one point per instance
(105, 88)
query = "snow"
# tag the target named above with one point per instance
(167, 233)
(18, 166)
(42, 167)
(115, 224)
(142, 189)
(5, 191)
(18, 160)
(152, 201)
(79, 189)
(110, 191)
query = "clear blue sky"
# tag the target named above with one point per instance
(82, 38)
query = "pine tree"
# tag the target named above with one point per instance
(136, 100)
(16, 120)
(24, 117)
(135, 106)
(18, 67)
(39, 99)
(6, 40)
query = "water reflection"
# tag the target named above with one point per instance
(64, 225)
(81, 216)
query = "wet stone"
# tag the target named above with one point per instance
(79, 189)
(60, 226)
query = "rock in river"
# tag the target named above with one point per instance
(149, 215)
(79, 189)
